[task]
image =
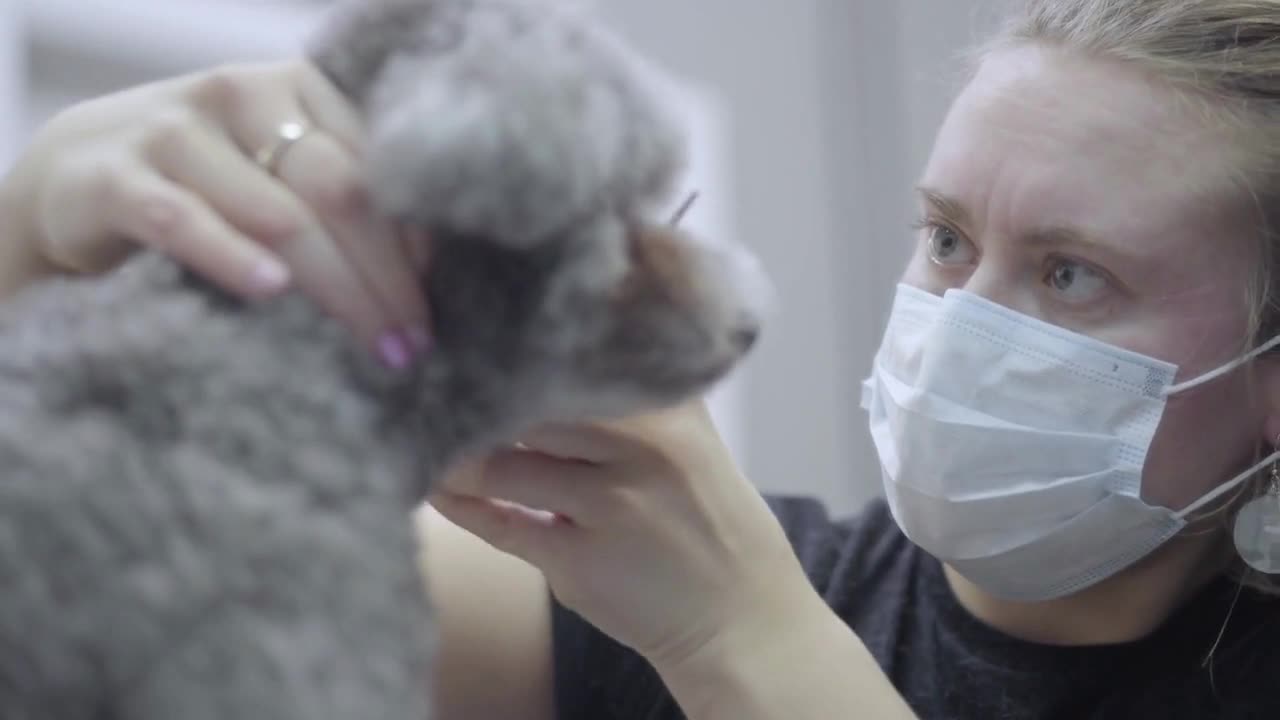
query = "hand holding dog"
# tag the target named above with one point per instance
(646, 527)
(169, 165)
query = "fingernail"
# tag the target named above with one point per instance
(394, 351)
(419, 339)
(269, 275)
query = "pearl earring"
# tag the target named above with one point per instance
(1257, 530)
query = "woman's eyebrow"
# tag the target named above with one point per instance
(947, 206)
(1048, 236)
(1063, 236)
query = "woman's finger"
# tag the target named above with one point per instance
(315, 169)
(580, 442)
(528, 534)
(141, 205)
(630, 438)
(205, 161)
(320, 99)
(397, 267)
(262, 207)
(326, 177)
(585, 493)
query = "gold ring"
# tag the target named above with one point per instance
(287, 134)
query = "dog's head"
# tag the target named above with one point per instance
(681, 318)
(535, 148)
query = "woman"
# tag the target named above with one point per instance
(1071, 403)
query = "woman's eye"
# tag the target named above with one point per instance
(948, 247)
(1075, 280)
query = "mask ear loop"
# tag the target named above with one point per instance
(1257, 526)
(1215, 374)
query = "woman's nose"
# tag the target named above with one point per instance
(990, 277)
(991, 280)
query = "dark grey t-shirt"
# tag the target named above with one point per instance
(948, 665)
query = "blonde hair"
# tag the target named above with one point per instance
(1224, 54)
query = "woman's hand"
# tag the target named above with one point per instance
(656, 537)
(171, 166)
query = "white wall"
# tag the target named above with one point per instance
(825, 108)
(12, 86)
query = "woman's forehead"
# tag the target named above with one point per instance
(1043, 139)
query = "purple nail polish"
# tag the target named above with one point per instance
(394, 351)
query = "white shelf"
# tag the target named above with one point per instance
(56, 52)
(169, 33)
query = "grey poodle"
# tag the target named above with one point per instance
(205, 504)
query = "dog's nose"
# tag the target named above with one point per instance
(744, 337)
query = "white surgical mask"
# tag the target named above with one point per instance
(1013, 449)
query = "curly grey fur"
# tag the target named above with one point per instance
(205, 505)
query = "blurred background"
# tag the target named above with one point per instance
(810, 120)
